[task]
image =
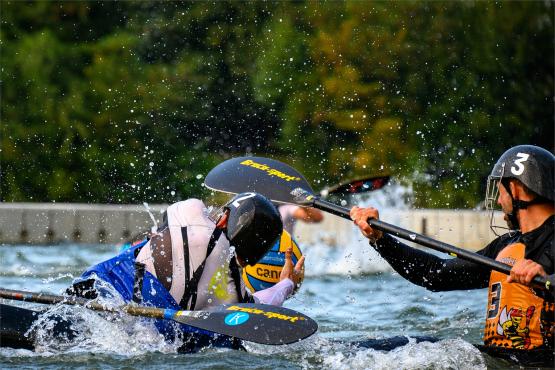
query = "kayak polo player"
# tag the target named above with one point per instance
(194, 262)
(519, 316)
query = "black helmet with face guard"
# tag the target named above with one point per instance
(533, 167)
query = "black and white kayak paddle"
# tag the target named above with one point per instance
(258, 323)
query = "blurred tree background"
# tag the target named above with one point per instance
(124, 102)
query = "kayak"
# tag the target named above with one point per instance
(16, 322)
(538, 357)
(16, 331)
(15, 325)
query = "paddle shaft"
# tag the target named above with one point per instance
(539, 281)
(152, 312)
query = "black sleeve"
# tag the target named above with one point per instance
(431, 272)
(540, 247)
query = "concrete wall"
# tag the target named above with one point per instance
(48, 223)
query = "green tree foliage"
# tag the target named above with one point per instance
(430, 91)
(136, 101)
(486, 89)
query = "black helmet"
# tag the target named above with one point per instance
(532, 166)
(253, 226)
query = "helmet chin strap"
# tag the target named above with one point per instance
(512, 218)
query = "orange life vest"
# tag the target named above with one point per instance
(516, 316)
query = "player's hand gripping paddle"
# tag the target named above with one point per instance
(283, 184)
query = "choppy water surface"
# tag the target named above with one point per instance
(358, 300)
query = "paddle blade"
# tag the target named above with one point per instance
(273, 179)
(358, 186)
(257, 323)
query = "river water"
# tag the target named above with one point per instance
(362, 299)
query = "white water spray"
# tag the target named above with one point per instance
(337, 247)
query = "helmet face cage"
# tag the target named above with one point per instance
(492, 189)
(492, 194)
(215, 213)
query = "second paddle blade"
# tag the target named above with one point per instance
(358, 186)
(273, 179)
(257, 323)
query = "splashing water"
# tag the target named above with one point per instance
(343, 250)
(358, 306)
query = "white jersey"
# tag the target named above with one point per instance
(216, 286)
(166, 260)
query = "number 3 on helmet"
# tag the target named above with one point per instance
(265, 273)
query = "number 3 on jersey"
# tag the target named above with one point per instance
(495, 298)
